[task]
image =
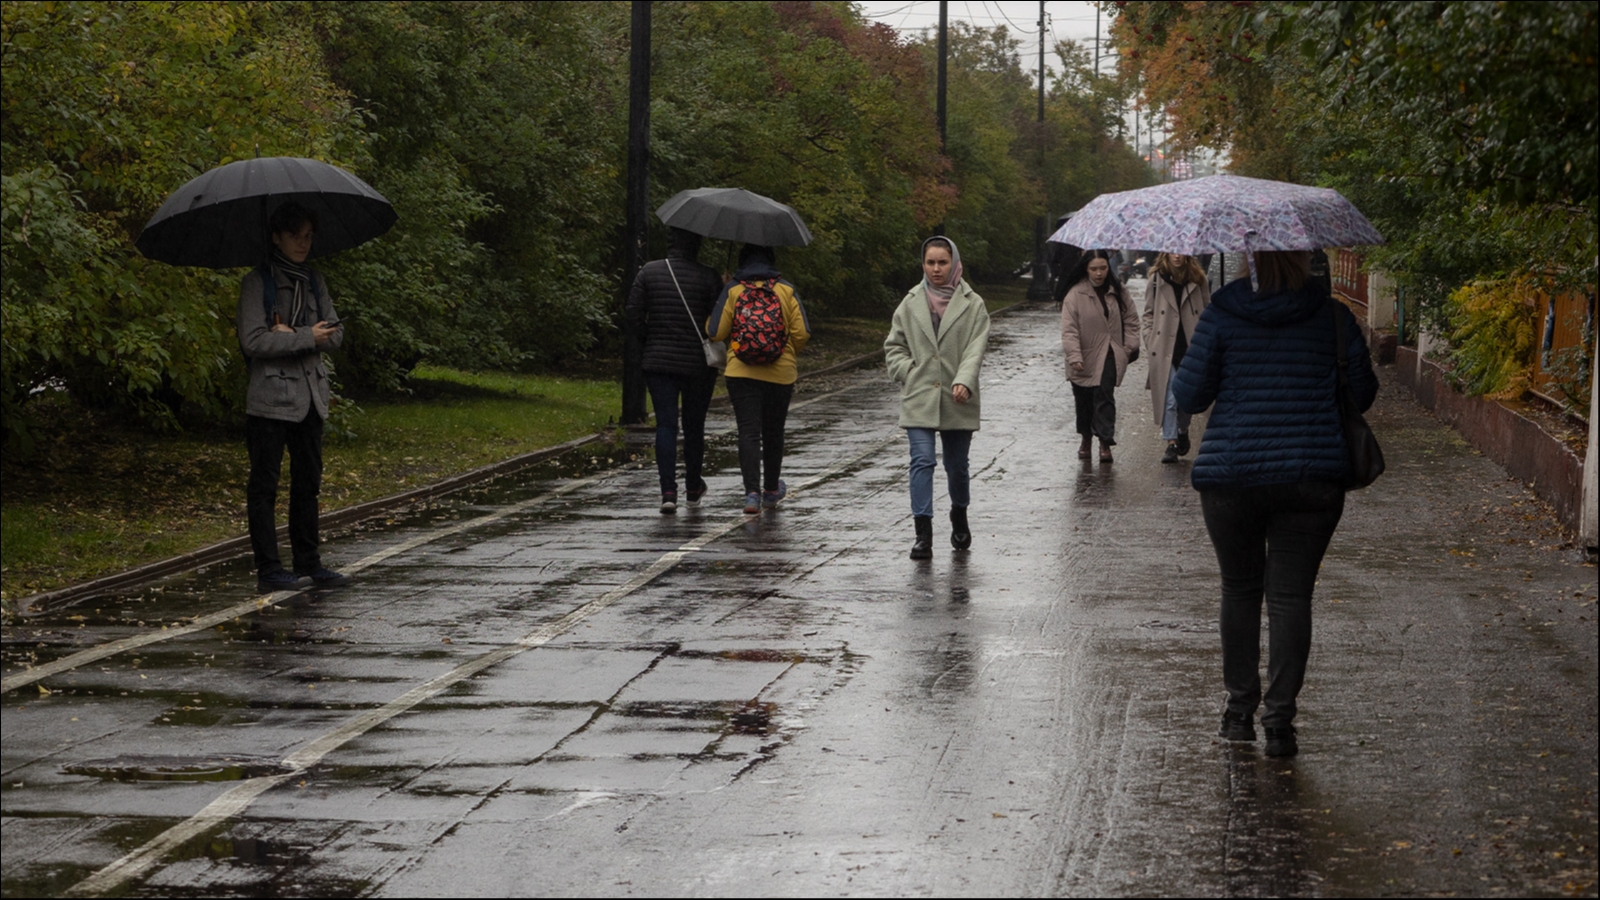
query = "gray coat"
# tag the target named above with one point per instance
(288, 377)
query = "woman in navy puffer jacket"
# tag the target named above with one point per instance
(1271, 472)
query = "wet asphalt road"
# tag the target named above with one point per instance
(545, 687)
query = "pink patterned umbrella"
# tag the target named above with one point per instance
(1219, 214)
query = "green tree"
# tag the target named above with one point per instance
(107, 108)
(810, 104)
(494, 132)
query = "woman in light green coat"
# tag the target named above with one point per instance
(934, 350)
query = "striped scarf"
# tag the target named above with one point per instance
(300, 276)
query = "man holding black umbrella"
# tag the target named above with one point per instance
(285, 320)
(222, 219)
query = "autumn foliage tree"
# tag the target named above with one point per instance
(1467, 131)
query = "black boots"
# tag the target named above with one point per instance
(960, 534)
(923, 547)
(1281, 741)
(1236, 728)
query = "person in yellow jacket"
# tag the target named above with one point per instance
(760, 315)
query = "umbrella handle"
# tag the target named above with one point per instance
(1250, 259)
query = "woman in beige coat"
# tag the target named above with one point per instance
(1100, 337)
(1177, 294)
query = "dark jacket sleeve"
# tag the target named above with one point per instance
(1363, 380)
(1197, 381)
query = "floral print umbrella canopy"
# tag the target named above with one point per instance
(1219, 214)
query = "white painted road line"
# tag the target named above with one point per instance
(84, 657)
(141, 860)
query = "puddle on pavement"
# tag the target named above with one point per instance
(755, 718)
(256, 867)
(53, 876)
(1189, 627)
(754, 655)
(177, 768)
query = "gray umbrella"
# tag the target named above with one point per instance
(734, 214)
(219, 220)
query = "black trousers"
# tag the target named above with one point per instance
(761, 409)
(696, 391)
(1097, 406)
(266, 440)
(1269, 541)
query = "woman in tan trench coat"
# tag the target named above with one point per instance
(1177, 294)
(1100, 337)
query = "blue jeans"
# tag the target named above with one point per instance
(1173, 421)
(665, 389)
(956, 446)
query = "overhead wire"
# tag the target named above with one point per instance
(988, 15)
(887, 13)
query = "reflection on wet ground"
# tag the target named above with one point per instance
(787, 704)
(177, 768)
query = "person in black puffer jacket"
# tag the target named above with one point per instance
(674, 360)
(1271, 471)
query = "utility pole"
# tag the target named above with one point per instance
(637, 227)
(1041, 63)
(1040, 288)
(944, 54)
(1097, 40)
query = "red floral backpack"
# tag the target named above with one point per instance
(759, 336)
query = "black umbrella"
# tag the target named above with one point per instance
(734, 214)
(219, 219)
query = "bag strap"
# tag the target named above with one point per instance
(269, 290)
(1339, 348)
(698, 333)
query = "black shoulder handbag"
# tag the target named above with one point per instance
(1366, 457)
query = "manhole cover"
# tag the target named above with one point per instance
(178, 768)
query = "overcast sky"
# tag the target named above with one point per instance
(1064, 19)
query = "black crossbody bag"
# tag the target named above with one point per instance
(1366, 457)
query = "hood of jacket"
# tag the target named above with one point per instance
(1271, 310)
(757, 270)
